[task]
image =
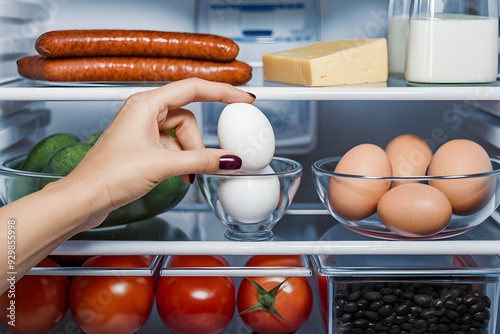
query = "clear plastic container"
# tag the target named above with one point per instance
(409, 294)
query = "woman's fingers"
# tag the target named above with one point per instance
(185, 127)
(180, 93)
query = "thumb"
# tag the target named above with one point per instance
(201, 161)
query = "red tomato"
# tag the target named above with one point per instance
(112, 304)
(322, 282)
(39, 302)
(283, 304)
(196, 304)
(275, 261)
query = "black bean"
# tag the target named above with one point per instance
(416, 310)
(476, 307)
(400, 319)
(443, 328)
(357, 331)
(445, 320)
(375, 305)
(433, 328)
(370, 331)
(395, 329)
(360, 323)
(390, 299)
(372, 296)
(354, 296)
(451, 304)
(397, 292)
(454, 327)
(357, 315)
(438, 303)
(402, 309)
(388, 321)
(385, 310)
(464, 327)
(345, 318)
(453, 315)
(450, 294)
(471, 300)
(420, 323)
(385, 291)
(362, 304)
(408, 295)
(350, 307)
(441, 312)
(379, 327)
(423, 300)
(406, 326)
(433, 320)
(371, 316)
(462, 308)
(428, 313)
(466, 319)
(480, 316)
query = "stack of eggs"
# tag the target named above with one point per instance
(253, 193)
(407, 206)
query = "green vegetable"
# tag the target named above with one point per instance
(45, 149)
(64, 161)
(165, 196)
(35, 161)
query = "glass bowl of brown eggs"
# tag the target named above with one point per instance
(407, 192)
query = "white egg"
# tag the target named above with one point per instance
(250, 199)
(244, 130)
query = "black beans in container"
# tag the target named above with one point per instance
(410, 307)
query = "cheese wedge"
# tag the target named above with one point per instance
(330, 63)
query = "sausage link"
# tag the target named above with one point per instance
(137, 43)
(99, 69)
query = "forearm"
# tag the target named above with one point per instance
(41, 221)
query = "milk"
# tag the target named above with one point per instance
(396, 43)
(452, 48)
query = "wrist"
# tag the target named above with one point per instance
(84, 201)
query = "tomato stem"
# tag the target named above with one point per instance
(266, 300)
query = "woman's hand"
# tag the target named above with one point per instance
(135, 152)
(132, 155)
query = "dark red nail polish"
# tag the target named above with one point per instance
(191, 178)
(230, 162)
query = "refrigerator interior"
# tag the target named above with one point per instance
(308, 125)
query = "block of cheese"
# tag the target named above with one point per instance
(330, 63)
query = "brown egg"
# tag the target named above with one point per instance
(357, 198)
(414, 210)
(409, 155)
(461, 157)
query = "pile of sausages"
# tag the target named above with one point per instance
(133, 55)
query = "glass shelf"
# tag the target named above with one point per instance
(17, 89)
(300, 232)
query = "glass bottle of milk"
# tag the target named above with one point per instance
(397, 25)
(452, 41)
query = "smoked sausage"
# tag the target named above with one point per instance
(137, 43)
(117, 69)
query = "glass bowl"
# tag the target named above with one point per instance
(405, 210)
(16, 183)
(250, 204)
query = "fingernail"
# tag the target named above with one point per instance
(252, 95)
(191, 178)
(230, 162)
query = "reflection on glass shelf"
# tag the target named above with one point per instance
(395, 88)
